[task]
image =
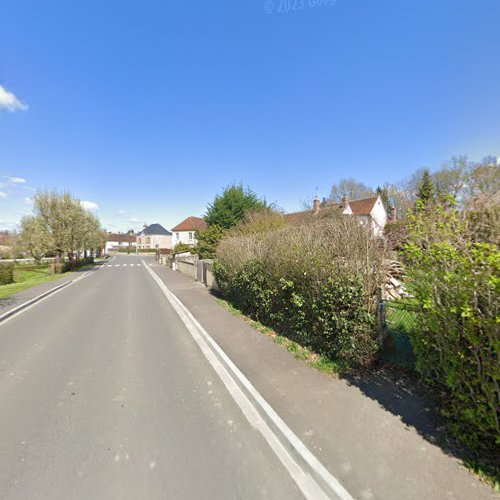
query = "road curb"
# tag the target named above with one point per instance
(36, 299)
(324, 484)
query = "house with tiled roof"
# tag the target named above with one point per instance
(370, 211)
(117, 241)
(154, 237)
(184, 232)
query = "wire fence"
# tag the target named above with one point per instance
(397, 321)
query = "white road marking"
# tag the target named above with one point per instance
(124, 265)
(324, 485)
(117, 265)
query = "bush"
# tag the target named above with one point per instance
(455, 284)
(58, 268)
(182, 247)
(6, 273)
(315, 284)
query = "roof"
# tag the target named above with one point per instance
(363, 206)
(360, 207)
(191, 224)
(120, 237)
(298, 217)
(155, 229)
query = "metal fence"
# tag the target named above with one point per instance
(397, 321)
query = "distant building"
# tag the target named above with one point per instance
(184, 232)
(116, 241)
(154, 237)
(369, 211)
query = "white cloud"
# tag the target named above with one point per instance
(133, 219)
(122, 212)
(3, 194)
(28, 200)
(10, 102)
(16, 180)
(91, 206)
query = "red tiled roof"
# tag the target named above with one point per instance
(297, 217)
(191, 224)
(363, 206)
(124, 238)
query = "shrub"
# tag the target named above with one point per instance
(6, 273)
(58, 268)
(208, 239)
(315, 284)
(182, 247)
(455, 284)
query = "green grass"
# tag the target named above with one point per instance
(27, 276)
(302, 353)
(30, 275)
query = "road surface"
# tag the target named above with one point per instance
(104, 394)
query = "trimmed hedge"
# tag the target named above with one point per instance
(314, 284)
(6, 273)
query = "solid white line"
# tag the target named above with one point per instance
(307, 484)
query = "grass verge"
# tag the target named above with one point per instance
(316, 361)
(28, 276)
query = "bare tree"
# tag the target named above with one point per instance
(351, 188)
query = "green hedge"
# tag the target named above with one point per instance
(330, 317)
(6, 273)
(58, 268)
(314, 284)
(455, 283)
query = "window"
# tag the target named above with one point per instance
(148, 240)
(177, 235)
(190, 236)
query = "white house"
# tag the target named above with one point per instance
(370, 211)
(184, 232)
(154, 237)
(116, 241)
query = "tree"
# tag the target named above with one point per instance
(484, 179)
(60, 226)
(208, 239)
(350, 188)
(30, 237)
(230, 207)
(452, 178)
(426, 190)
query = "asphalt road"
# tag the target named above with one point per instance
(104, 394)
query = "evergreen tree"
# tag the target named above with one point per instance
(426, 189)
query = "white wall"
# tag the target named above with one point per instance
(183, 237)
(379, 218)
(110, 245)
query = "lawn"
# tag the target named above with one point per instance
(26, 276)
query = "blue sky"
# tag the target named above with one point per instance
(149, 108)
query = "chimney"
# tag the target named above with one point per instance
(316, 204)
(345, 201)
